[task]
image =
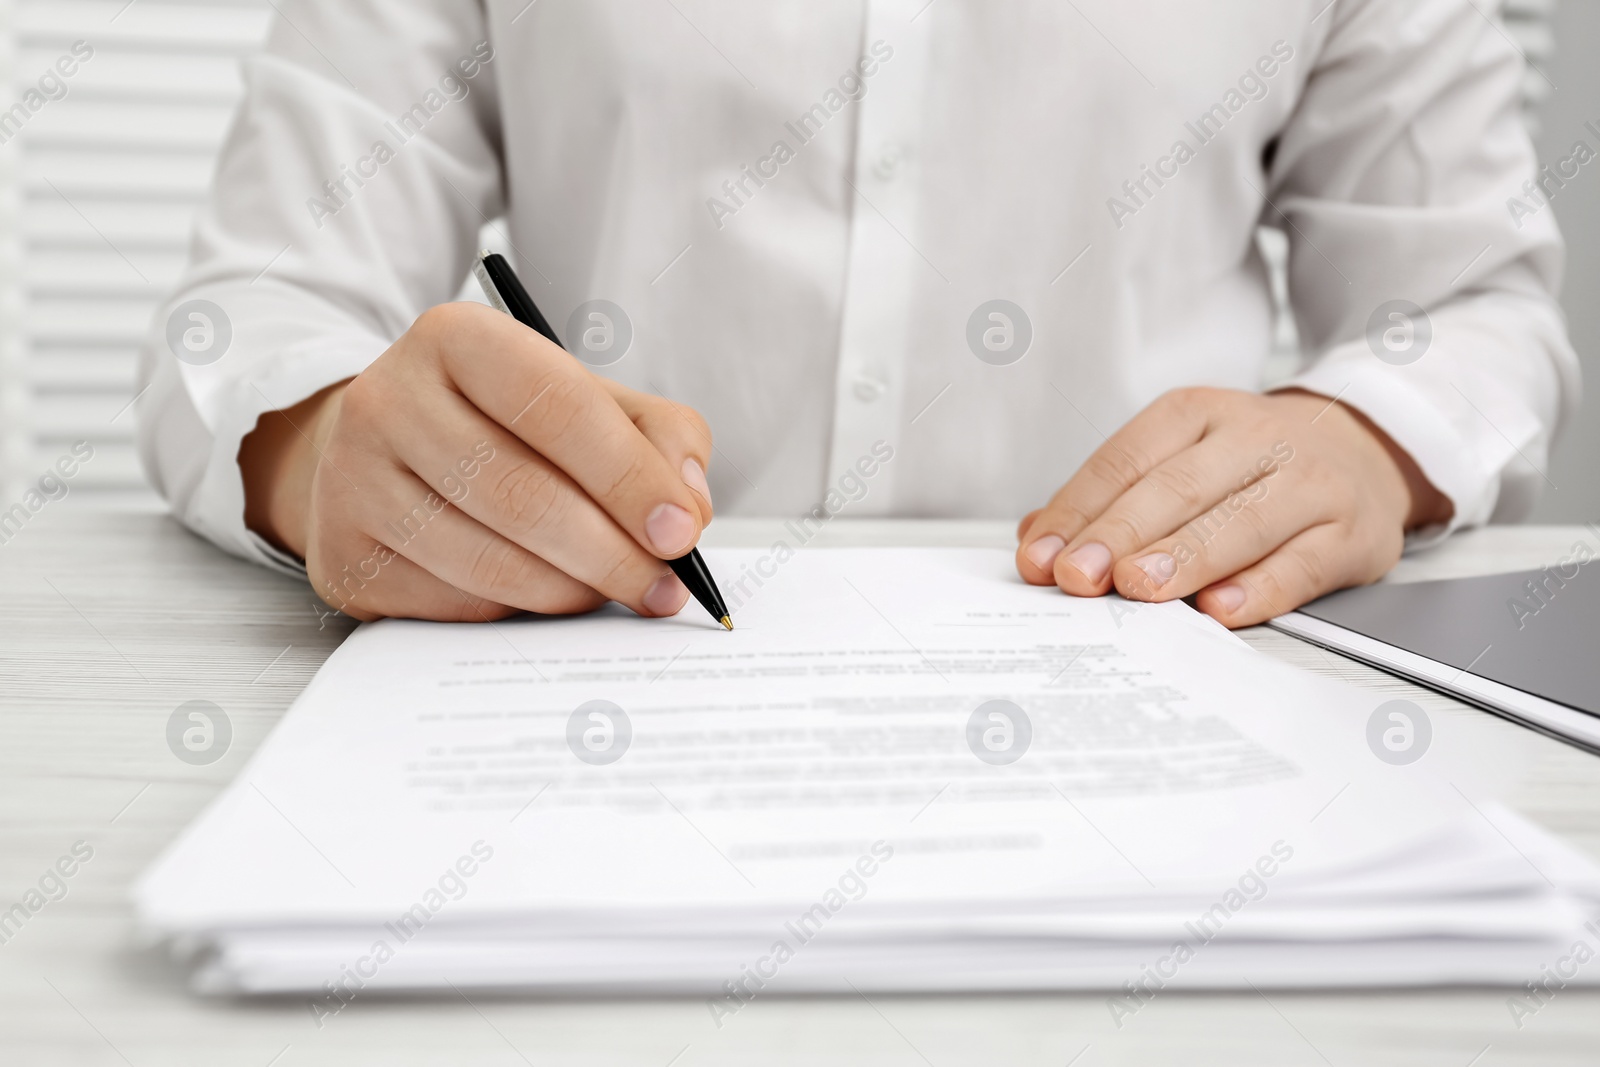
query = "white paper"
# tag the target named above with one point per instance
(827, 734)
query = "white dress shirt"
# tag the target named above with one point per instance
(804, 208)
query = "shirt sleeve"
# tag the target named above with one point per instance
(361, 165)
(1427, 293)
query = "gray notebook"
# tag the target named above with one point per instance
(1524, 645)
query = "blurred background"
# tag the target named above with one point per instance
(99, 185)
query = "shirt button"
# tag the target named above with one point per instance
(889, 161)
(869, 389)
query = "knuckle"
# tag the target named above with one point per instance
(1199, 402)
(616, 572)
(1061, 518)
(498, 566)
(659, 417)
(1310, 568)
(566, 400)
(651, 405)
(442, 320)
(528, 496)
(1186, 398)
(1255, 519)
(364, 400)
(1181, 482)
(1113, 466)
(1268, 584)
(695, 420)
(634, 473)
(1120, 532)
(432, 322)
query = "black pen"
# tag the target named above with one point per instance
(504, 290)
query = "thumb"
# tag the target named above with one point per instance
(679, 434)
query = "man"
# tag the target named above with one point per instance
(954, 243)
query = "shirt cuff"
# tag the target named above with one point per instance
(236, 406)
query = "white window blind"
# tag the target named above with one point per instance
(106, 180)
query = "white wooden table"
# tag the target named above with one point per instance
(113, 619)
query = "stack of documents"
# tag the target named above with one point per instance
(904, 770)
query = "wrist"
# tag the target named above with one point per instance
(278, 461)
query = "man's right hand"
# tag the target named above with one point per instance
(475, 470)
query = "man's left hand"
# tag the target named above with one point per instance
(1257, 503)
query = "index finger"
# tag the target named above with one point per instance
(564, 412)
(1173, 422)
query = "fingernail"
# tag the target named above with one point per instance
(1043, 552)
(1092, 560)
(1230, 598)
(666, 596)
(1159, 566)
(694, 476)
(670, 530)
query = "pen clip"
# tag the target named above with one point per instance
(490, 290)
(505, 290)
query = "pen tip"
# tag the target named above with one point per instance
(727, 622)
